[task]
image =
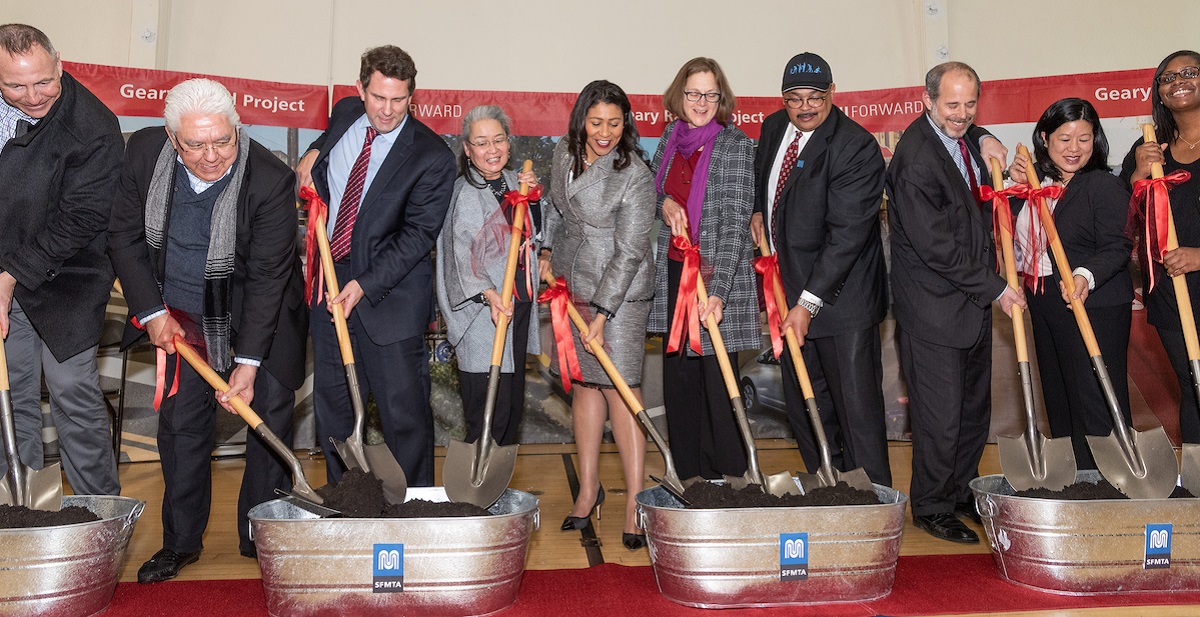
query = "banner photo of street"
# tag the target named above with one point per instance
(287, 117)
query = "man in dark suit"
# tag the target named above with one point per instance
(944, 281)
(820, 181)
(388, 180)
(58, 170)
(211, 242)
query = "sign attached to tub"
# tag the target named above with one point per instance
(388, 569)
(1158, 546)
(793, 556)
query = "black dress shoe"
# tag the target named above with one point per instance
(967, 510)
(251, 552)
(165, 565)
(633, 541)
(946, 526)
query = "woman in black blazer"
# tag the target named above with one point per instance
(1072, 153)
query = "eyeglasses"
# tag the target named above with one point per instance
(693, 96)
(483, 143)
(795, 102)
(222, 146)
(1187, 72)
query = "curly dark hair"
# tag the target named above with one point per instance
(602, 91)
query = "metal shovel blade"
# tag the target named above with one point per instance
(1147, 469)
(670, 478)
(827, 474)
(41, 489)
(478, 473)
(388, 471)
(1025, 469)
(1189, 468)
(351, 450)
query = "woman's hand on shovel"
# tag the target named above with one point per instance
(241, 383)
(496, 304)
(595, 333)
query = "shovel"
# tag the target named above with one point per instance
(670, 480)
(300, 486)
(1140, 464)
(375, 459)
(1031, 460)
(778, 484)
(1190, 463)
(479, 473)
(37, 489)
(827, 475)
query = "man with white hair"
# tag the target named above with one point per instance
(203, 233)
(61, 151)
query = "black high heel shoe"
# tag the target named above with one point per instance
(580, 522)
(633, 541)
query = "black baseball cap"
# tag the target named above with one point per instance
(807, 70)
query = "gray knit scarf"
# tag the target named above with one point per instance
(218, 266)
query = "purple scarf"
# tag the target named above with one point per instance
(686, 140)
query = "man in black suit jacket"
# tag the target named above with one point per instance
(944, 281)
(58, 170)
(387, 275)
(825, 227)
(211, 242)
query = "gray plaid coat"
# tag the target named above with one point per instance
(725, 246)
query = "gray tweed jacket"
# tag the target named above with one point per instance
(725, 246)
(469, 326)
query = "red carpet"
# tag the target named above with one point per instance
(926, 585)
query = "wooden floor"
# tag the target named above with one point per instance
(542, 471)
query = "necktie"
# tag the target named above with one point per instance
(962, 147)
(339, 246)
(789, 161)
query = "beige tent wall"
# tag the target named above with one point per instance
(559, 45)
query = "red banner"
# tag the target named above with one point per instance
(140, 92)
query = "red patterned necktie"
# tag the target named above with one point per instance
(789, 161)
(339, 246)
(962, 147)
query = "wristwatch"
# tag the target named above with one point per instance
(811, 307)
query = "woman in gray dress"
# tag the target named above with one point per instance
(599, 233)
(471, 253)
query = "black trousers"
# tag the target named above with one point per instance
(397, 375)
(703, 431)
(853, 368)
(186, 435)
(510, 398)
(1189, 412)
(950, 397)
(1075, 404)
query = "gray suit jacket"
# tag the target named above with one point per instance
(724, 243)
(469, 326)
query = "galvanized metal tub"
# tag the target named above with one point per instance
(67, 570)
(735, 557)
(1090, 547)
(348, 566)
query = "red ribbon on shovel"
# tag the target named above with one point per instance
(317, 211)
(568, 363)
(768, 267)
(1153, 191)
(685, 300)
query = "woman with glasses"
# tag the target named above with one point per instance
(599, 230)
(704, 174)
(1175, 100)
(1072, 153)
(471, 253)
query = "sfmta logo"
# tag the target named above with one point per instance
(1158, 547)
(793, 556)
(388, 560)
(793, 549)
(388, 568)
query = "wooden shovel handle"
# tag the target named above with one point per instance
(601, 356)
(793, 343)
(332, 287)
(1183, 295)
(220, 385)
(1010, 269)
(1060, 260)
(510, 272)
(714, 332)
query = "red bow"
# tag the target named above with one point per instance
(160, 368)
(1158, 209)
(1002, 218)
(512, 200)
(568, 363)
(768, 267)
(685, 300)
(318, 210)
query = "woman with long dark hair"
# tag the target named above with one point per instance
(1072, 154)
(1175, 100)
(598, 238)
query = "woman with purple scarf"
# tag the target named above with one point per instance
(704, 174)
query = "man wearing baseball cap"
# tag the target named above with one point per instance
(819, 180)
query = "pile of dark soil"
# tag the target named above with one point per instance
(1088, 490)
(708, 495)
(16, 517)
(360, 495)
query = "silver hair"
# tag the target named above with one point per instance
(199, 96)
(484, 112)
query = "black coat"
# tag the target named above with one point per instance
(944, 275)
(270, 319)
(397, 225)
(827, 222)
(58, 180)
